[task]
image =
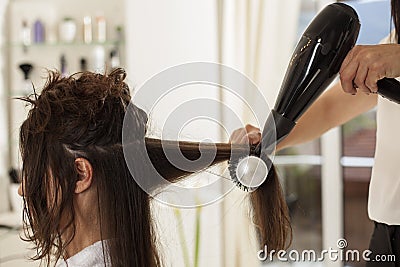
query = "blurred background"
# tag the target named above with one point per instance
(325, 181)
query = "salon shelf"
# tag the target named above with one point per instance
(64, 44)
(58, 44)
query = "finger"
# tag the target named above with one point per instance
(237, 135)
(347, 77)
(254, 138)
(244, 140)
(348, 59)
(360, 78)
(371, 81)
(251, 128)
(251, 138)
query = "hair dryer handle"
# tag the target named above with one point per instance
(389, 88)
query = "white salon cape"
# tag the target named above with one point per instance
(91, 256)
(384, 188)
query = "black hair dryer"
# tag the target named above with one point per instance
(313, 66)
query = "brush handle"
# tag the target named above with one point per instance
(389, 88)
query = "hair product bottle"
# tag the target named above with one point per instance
(38, 32)
(98, 59)
(101, 29)
(87, 29)
(25, 36)
(83, 64)
(63, 67)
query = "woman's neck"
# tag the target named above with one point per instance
(85, 235)
(87, 226)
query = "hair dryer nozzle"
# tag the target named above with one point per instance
(276, 128)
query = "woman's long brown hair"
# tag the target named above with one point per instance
(395, 8)
(82, 116)
(269, 209)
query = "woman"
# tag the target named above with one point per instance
(73, 169)
(360, 71)
(83, 206)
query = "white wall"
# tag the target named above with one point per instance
(4, 181)
(161, 34)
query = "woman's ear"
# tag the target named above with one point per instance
(85, 172)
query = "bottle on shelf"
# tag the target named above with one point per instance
(38, 32)
(63, 67)
(67, 30)
(101, 29)
(25, 35)
(98, 59)
(83, 64)
(114, 59)
(87, 29)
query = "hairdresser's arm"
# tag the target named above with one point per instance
(360, 71)
(332, 109)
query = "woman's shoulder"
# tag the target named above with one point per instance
(95, 255)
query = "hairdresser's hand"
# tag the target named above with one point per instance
(249, 134)
(366, 64)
